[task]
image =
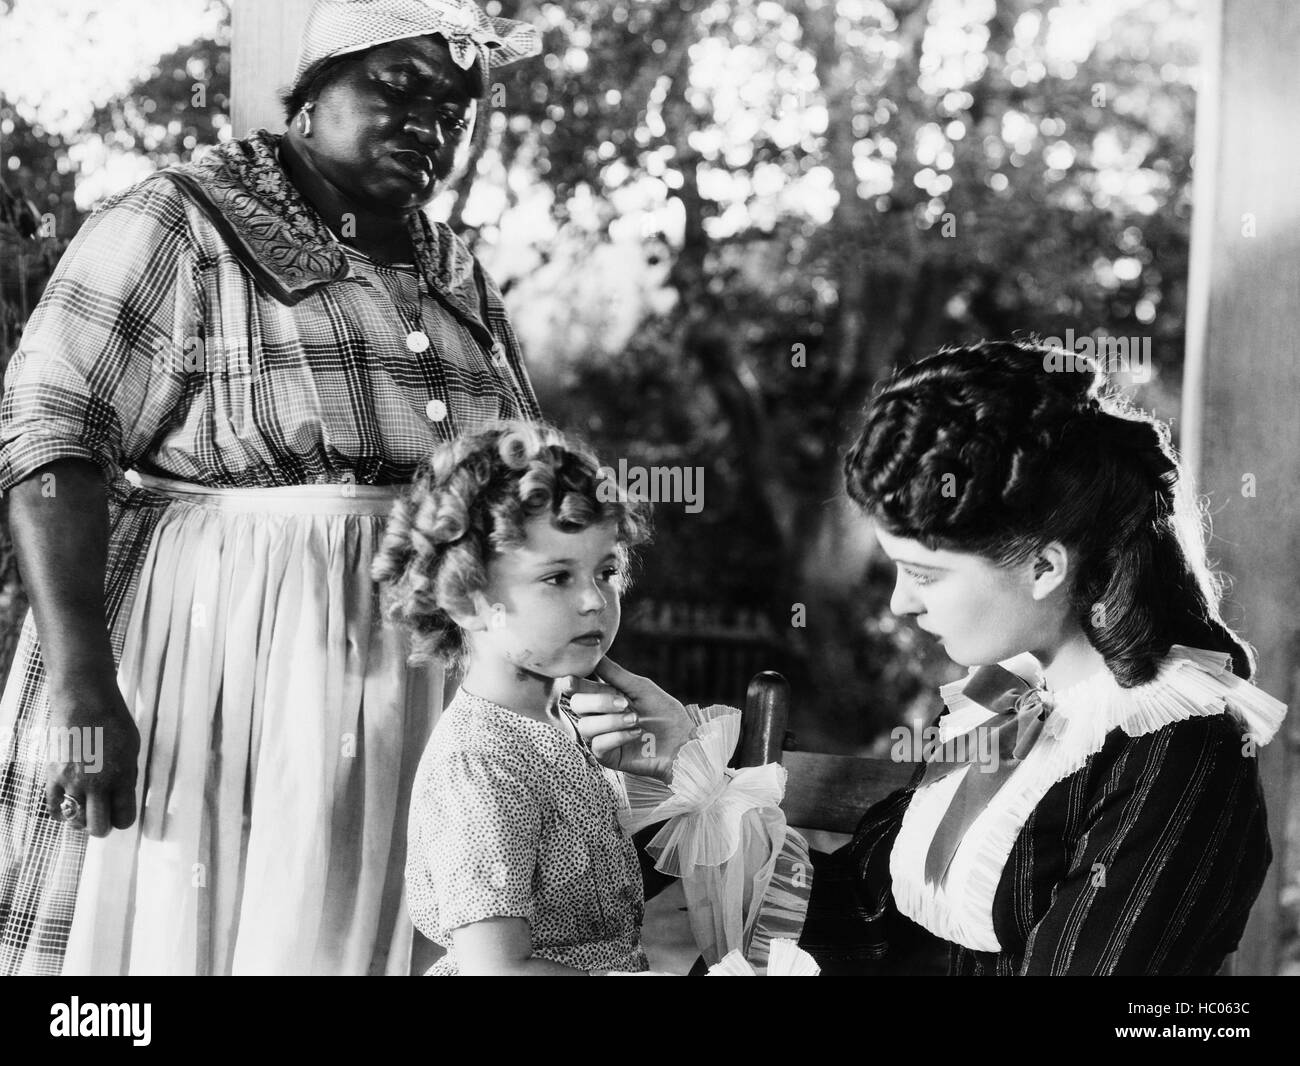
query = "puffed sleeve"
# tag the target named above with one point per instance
(100, 367)
(853, 926)
(1164, 874)
(476, 837)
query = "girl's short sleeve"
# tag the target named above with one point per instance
(476, 828)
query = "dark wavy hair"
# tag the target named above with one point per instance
(984, 449)
(469, 501)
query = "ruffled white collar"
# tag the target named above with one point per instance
(1190, 683)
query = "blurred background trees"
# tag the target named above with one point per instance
(718, 224)
(753, 210)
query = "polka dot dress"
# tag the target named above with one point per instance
(510, 818)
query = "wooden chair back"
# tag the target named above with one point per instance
(824, 792)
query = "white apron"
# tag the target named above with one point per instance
(280, 729)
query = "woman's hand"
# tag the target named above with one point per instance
(93, 747)
(58, 517)
(643, 736)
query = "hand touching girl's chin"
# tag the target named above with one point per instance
(568, 661)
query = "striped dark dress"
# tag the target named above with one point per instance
(1145, 860)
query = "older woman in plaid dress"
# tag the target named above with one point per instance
(271, 339)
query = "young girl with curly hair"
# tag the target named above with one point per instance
(508, 557)
(1119, 826)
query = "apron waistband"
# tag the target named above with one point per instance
(343, 498)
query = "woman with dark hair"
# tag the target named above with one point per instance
(1092, 805)
(271, 338)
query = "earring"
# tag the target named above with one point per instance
(304, 119)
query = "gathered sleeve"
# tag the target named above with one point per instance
(853, 925)
(476, 836)
(101, 366)
(1170, 860)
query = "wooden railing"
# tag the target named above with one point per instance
(703, 666)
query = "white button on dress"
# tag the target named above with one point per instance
(417, 341)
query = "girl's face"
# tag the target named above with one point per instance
(981, 612)
(552, 604)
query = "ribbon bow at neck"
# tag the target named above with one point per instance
(999, 727)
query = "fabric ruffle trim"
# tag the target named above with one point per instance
(706, 803)
(726, 837)
(1190, 683)
(787, 959)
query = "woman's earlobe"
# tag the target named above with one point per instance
(1051, 566)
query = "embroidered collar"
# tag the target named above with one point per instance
(278, 236)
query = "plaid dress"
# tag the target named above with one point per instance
(206, 326)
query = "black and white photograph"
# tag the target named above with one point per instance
(650, 488)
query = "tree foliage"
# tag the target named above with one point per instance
(916, 173)
(720, 222)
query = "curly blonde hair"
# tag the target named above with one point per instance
(469, 501)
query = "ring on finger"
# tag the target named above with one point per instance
(70, 808)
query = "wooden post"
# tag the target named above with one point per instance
(263, 53)
(1240, 435)
(767, 712)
